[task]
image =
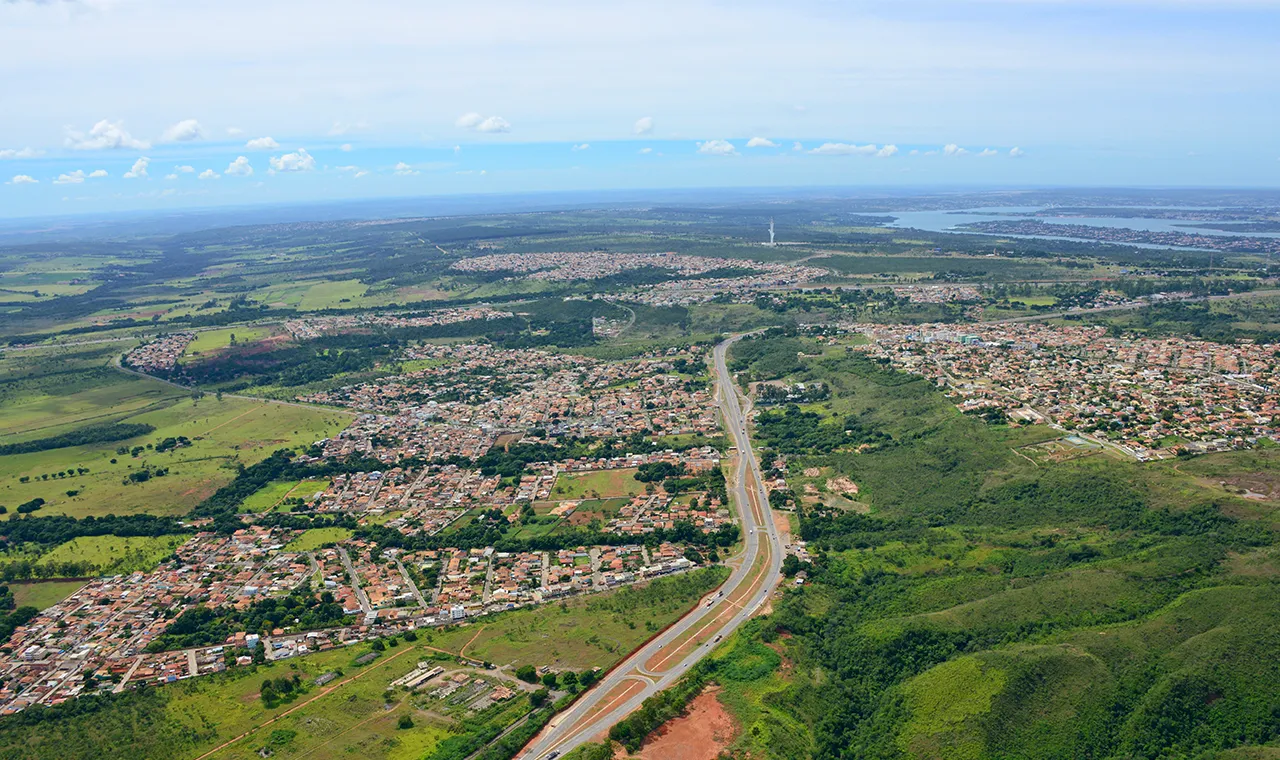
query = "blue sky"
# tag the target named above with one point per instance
(282, 101)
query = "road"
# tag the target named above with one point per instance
(601, 707)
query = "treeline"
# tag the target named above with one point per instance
(280, 465)
(57, 529)
(12, 616)
(25, 569)
(112, 431)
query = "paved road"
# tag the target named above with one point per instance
(572, 729)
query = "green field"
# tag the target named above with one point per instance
(603, 484)
(215, 340)
(116, 555)
(42, 594)
(269, 495)
(223, 433)
(592, 631)
(314, 538)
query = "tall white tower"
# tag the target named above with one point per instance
(771, 231)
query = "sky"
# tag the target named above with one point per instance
(128, 105)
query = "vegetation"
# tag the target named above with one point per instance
(115, 431)
(988, 607)
(204, 626)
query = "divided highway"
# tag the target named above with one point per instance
(660, 663)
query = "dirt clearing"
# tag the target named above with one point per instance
(702, 733)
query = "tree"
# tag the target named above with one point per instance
(539, 698)
(404, 722)
(549, 680)
(527, 673)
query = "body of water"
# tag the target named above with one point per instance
(947, 221)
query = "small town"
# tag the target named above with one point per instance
(1148, 397)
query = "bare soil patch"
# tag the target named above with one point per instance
(702, 733)
(843, 486)
(1260, 486)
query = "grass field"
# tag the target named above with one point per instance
(603, 484)
(216, 340)
(592, 631)
(313, 539)
(42, 594)
(222, 432)
(115, 554)
(268, 496)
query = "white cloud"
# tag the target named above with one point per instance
(74, 178)
(97, 173)
(717, 148)
(208, 174)
(184, 131)
(234, 131)
(105, 135)
(345, 147)
(988, 153)
(583, 146)
(355, 171)
(139, 170)
(477, 123)
(457, 149)
(405, 170)
(239, 168)
(1017, 153)
(644, 125)
(797, 146)
(14, 153)
(170, 176)
(301, 161)
(645, 151)
(914, 152)
(23, 179)
(185, 169)
(262, 143)
(761, 142)
(887, 151)
(954, 150)
(844, 149)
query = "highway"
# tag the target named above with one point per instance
(605, 705)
